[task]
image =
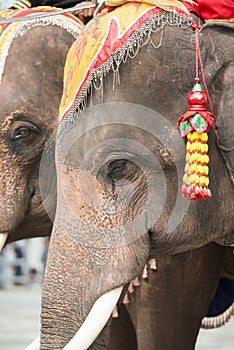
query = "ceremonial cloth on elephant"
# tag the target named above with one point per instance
(209, 10)
(214, 11)
(101, 39)
(163, 4)
(9, 31)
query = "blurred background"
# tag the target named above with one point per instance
(5, 3)
(22, 263)
(22, 267)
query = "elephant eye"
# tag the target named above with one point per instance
(117, 169)
(21, 132)
(25, 137)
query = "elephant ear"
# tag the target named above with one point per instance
(223, 85)
(225, 120)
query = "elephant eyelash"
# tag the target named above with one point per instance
(116, 166)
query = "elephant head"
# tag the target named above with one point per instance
(32, 58)
(120, 165)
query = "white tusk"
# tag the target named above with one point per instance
(3, 238)
(35, 345)
(90, 329)
(95, 321)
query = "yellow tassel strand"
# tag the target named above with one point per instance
(194, 125)
(195, 180)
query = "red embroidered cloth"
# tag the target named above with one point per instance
(212, 10)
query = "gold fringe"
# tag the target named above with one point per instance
(225, 20)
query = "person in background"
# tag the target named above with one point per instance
(2, 269)
(84, 15)
(45, 253)
(18, 266)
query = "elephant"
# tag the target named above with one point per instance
(33, 54)
(119, 163)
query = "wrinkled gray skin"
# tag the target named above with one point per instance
(30, 94)
(84, 262)
(166, 310)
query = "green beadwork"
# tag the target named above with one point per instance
(186, 126)
(199, 122)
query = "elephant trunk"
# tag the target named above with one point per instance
(80, 279)
(62, 295)
(15, 198)
(71, 288)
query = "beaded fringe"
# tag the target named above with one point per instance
(207, 322)
(130, 50)
(152, 265)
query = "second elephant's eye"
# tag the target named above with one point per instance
(21, 132)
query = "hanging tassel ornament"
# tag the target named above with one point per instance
(195, 124)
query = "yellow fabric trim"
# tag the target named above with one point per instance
(163, 4)
(86, 47)
(26, 2)
(21, 7)
(227, 20)
(16, 6)
(10, 31)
